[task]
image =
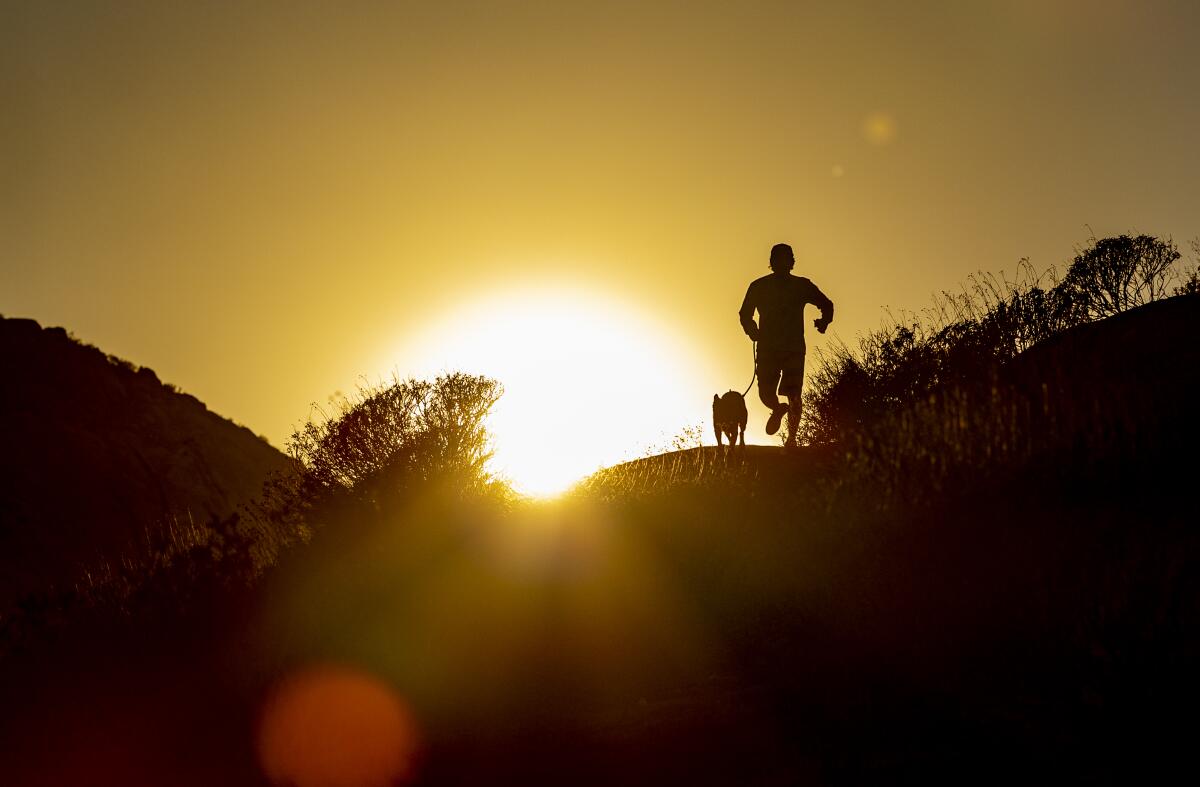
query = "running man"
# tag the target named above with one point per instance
(780, 298)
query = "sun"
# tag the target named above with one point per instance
(588, 380)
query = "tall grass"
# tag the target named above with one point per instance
(966, 337)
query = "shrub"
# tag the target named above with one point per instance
(1113, 275)
(388, 437)
(1190, 281)
(965, 337)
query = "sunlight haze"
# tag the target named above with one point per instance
(265, 202)
(583, 378)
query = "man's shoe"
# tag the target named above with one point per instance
(776, 419)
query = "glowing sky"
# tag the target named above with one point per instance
(586, 378)
(264, 201)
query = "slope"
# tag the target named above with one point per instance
(96, 453)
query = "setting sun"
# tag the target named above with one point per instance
(587, 380)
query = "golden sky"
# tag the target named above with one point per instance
(264, 201)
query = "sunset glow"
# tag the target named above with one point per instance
(588, 381)
(188, 180)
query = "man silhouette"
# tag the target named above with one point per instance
(780, 298)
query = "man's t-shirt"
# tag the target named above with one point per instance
(779, 299)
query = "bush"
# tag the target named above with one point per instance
(965, 337)
(1113, 275)
(1190, 281)
(388, 437)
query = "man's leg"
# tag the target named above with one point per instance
(792, 385)
(768, 386)
(795, 404)
(767, 390)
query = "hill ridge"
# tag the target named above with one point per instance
(98, 452)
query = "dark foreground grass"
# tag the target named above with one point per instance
(709, 634)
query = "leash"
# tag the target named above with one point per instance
(754, 349)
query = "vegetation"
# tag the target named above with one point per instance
(967, 337)
(1114, 275)
(388, 438)
(1190, 284)
(352, 468)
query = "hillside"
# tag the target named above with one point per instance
(97, 452)
(1139, 369)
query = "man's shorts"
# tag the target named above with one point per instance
(782, 368)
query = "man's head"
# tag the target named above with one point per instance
(782, 259)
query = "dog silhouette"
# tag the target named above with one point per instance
(729, 418)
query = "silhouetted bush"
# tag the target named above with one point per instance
(1113, 275)
(1190, 281)
(965, 337)
(962, 337)
(389, 438)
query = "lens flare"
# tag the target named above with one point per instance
(331, 726)
(879, 128)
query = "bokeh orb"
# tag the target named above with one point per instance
(333, 726)
(879, 128)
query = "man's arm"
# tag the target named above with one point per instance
(819, 299)
(746, 314)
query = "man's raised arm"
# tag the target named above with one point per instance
(822, 302)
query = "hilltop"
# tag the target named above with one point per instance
(98, 453)
(1128, 382)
